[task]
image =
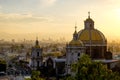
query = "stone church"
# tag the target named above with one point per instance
(36, 56)
(86, 41)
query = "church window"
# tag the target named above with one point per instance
(78, 54)
(72, 53)
(37, 53)
(90, 25)
(37, 63)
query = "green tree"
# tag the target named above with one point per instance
(86, 69)
(36, 75)
(3, 65)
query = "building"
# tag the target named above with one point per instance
(87, 41)
(36, 56)
(93, 40)
(73, 51)
(54, 66)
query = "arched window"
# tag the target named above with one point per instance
(78, 54)
(37, 53)
(37, 63)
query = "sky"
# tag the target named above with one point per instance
(56, 18)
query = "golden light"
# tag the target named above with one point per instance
(117, 12)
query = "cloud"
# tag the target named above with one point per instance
(22, 23)
(109, 2)
(0, 7)
(21, 18)
(46, 3)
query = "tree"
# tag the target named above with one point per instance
(36, 75)
(86, 69)
(2, 65)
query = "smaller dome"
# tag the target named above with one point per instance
(37, 43)
(76, 43)
(37, 46)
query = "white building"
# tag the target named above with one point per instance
(73, 51)
(36, 56)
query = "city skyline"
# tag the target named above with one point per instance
(45, 17)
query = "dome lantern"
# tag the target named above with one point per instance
(89, 23)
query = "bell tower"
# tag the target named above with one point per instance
(74, 50)
(36, 56)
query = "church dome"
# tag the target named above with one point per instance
(93, 34)
(89, 33)
(76, 43)
(36, 44)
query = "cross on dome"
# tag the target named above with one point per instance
(75, 26)
(89, 14)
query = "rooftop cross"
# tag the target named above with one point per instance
(75, 27)
(89, 14)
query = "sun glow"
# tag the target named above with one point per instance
(117, 11)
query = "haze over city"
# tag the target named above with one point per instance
(59, 39)
(21, 19)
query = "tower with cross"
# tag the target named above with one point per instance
(36, 56)
(74, 49)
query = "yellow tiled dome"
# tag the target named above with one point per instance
(75, 43)
(96, 35)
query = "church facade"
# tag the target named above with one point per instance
(88, 41)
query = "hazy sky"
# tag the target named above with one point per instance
(59, 16)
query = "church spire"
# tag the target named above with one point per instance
(75, 27)
(75, 35)
(37, 42)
